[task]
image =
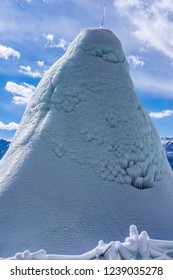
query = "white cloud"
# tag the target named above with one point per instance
(63, 44)
(6, 52)
(152, 85)
(9, 126)
(40, 63)
(21, 92)
(152, 22)
(47, 1)
(49, 37)
(135, 60)
(26, 70)
(162, 114)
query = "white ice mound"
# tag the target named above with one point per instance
(83, 144)
(101, 123)
(106, 128)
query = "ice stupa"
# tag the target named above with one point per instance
(86, 161)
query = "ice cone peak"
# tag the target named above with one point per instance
(100, 43)
(83, 142)
(86, 110)
(105, 126)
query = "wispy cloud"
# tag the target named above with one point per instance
(152, 85)
(26, 70)
(40, 63)
(62, 44)
(47, 1)
(135, 60)
(6, 52)
(49, 37)
(152, 22)
(52, 42)
(21, 92)
(162, 114)
(36, 14)
(9, 126)
(30, 1)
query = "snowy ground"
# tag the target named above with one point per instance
(135, 247)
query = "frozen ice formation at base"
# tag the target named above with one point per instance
(135, 247)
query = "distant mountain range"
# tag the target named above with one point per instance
(167, 143)
(4, 145)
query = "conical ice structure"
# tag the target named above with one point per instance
(84, 151)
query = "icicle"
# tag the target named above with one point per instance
(103, 16)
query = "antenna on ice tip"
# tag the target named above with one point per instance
(103, 15)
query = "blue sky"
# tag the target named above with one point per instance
(35, 33)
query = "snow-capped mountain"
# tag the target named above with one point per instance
(4, 145)
(86, 161)
(167, 143)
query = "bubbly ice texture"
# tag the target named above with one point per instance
(84, 143)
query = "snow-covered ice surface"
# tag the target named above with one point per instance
(85, 149)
